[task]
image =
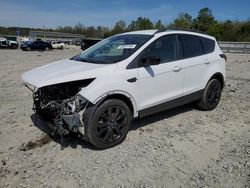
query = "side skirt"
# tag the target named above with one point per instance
(171, 104)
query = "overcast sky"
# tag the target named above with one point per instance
(52, 13)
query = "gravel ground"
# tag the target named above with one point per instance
(183, 147)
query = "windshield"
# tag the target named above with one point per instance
(113, 49)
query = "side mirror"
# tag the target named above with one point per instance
(147, 61)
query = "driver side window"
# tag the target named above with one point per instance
(164, 48)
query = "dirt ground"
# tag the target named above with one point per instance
(183, 147)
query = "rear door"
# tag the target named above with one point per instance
(163, 82)
(195, 62)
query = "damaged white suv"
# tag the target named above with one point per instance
(98, 92)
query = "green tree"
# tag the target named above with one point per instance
(120, 27)
(216, 30)
(244, 31)
(230, 30)
(204, 20)
(140, 24)
(159, 25)
(183, 21)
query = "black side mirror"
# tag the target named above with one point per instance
(147, 61)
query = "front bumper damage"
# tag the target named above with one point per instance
(64, 116)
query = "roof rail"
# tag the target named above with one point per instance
(180, 29)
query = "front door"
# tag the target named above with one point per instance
(163, 82)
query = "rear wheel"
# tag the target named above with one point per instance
(108, 124)
(211, 96)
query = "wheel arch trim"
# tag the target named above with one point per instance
(114, 93)
(220, 76)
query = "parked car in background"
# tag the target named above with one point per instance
(86, 43)
(24, 39)
(36, 45)
(5, 43)
(58, 45)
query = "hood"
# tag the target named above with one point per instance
(64, 71)
(13, 42)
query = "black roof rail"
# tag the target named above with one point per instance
(180, 29)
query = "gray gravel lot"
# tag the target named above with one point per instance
(183, 147)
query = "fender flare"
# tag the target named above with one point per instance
(127, 95)
(220, 77)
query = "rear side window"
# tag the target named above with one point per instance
(191, 46)
(208, 45)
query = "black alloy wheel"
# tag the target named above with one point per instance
(111, 124)
(108, 123)
(214, 93)
(211, 95)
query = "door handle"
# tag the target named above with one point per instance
(176, 68)
(132, 80)
(207, 62)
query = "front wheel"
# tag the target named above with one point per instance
(108, 124)
(14, 46)
(211, 95)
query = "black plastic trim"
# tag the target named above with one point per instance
(220, 77)
(131, 80)
(171, 104)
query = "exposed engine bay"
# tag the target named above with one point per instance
(60, 104)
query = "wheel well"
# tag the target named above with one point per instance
(122, 98)
(219, 77)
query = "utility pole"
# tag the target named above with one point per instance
(43, 32)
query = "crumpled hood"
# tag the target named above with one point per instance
(64, 71)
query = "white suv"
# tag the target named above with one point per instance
(134, 74)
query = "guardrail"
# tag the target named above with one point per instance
(236, 47)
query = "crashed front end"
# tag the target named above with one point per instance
(62, 106)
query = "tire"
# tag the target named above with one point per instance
(14, 46)
(211, 95)
(107, 125)
(46, 48)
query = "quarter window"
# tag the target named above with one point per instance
(208, 45)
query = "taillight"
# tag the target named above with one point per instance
(223, 56)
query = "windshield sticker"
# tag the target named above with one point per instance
(126, 46)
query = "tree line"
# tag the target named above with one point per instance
(229, 30)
